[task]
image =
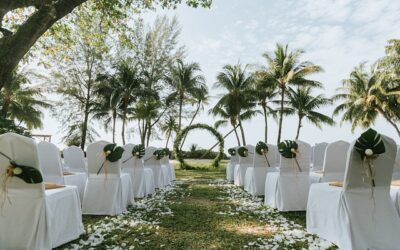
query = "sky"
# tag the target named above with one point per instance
(335, 34)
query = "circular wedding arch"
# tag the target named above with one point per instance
(185, 131)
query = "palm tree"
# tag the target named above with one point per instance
(303, 104)
(21, 103)
(200, 98)
(168, 127)
(364, 99)
(228, 114)
(265, 92)
(238, 84)
(128, 88)
(185, 81)
(284, 66)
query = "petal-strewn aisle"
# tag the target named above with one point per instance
(200, 211)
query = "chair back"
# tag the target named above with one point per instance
(234, 159)
(96, 157)
(74, 158)
(383, 165)
(303, 159)
(23, 151)
(50, 162)
(336, 158)
(250, 157)
(261, 160)
(318, 155)
(149, 159)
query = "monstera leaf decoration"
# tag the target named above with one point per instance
(113, 152)
(138, 151)
(243, 151)
(28, 174)
(288, 148)
(261, 148)
(158, 154)
(166, 152)
(369, 145)
(232, 151)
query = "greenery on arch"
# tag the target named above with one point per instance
(182, 134)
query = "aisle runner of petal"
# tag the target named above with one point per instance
(139, 221)
(286, 234)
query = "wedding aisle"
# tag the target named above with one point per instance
(200, 211)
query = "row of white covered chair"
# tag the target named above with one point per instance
(50, 218)
(345, 215)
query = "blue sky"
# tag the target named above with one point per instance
(336, 35)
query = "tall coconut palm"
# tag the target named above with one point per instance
(265, 92)
(303, 104)
(364, 101)
(200, 98)
(168, 127)
(128, 88)
(287, 69)
(184, 80)
(22, 103)
(239, 97)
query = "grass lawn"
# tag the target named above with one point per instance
(200, 211)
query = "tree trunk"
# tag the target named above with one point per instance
(180, 113)
(191, 122)
(265, 122)
(169, 135)
(281, 114)
(237, 136)
(299, 127)
(148, 134)
(113, 126)
(14, 47)
(242, 131)
(4, 110)
(123, 124)
(383, 113)
(84, 130)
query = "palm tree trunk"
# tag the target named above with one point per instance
(298, 128)
(191, 121)
(4, 110)
(237, 136)
(242, 131)
(380, 110)
(281, 114)
(114, 117)
(180, 113)
(169, 135)
(265, 123)
(84, 130)
(123, 124)
(148, 134)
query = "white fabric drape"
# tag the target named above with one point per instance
(318, 155)
(354, 217)
(334, 163)
(142, 183)
(74, 159)
(254, 180)
(244, 163)
(396, 170)
(35, 219)
(287, 190)
(110, 192)
(160, 172)
(230, 168)
(51, 164)
(171, 170)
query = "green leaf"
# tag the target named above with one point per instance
(158, 154)
(261, 148)
(138, 151)
(232, 151)
(285, 148)
(372, 140)
(113, 152)
(28, 174)
(243, 151)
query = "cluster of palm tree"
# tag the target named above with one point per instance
(284, 76)
(369, 94)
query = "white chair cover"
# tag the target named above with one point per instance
(318, 155)
(353, 217)
(74, 158)
(230, 168)
(36, 218)
(165, 164)
(50, 160)
(171, 169)
(396, 170)
(254, 181)
(334, 163)
(159, 171)
(244, 163)
(287, 190)
(134, 167)
(110, 192)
